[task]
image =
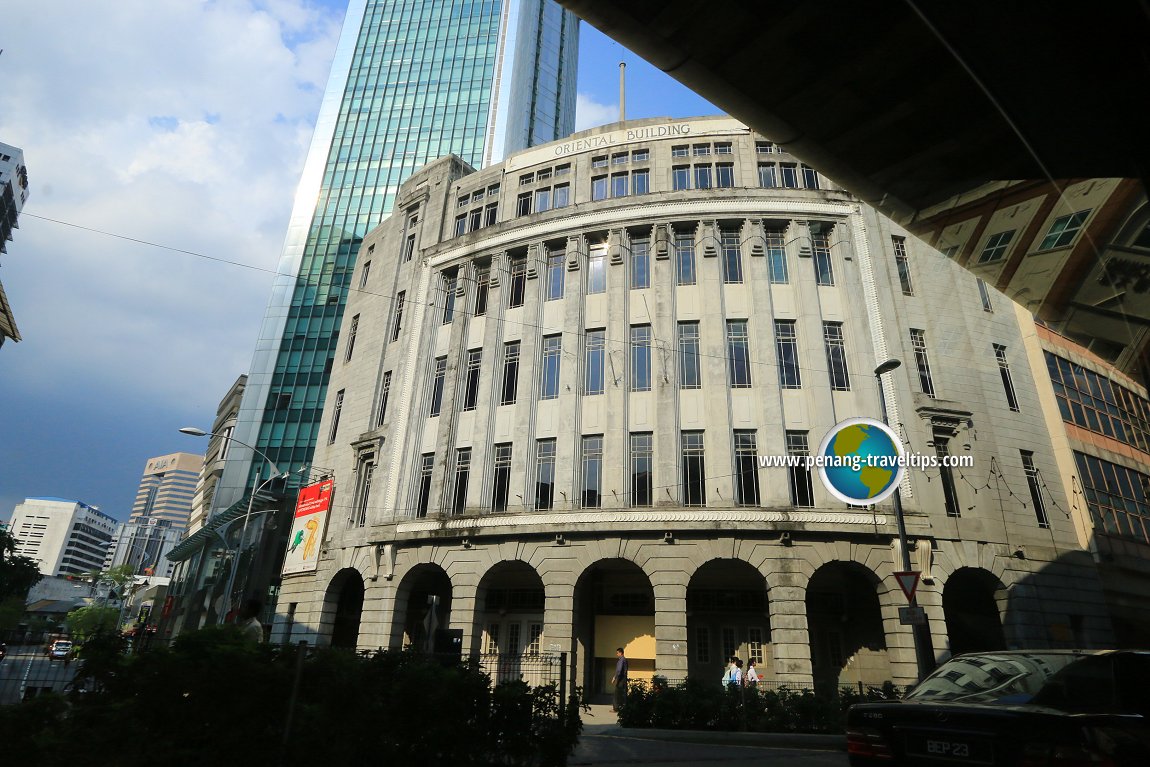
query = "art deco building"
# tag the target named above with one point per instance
(554, 384)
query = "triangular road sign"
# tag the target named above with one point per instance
(908, 582)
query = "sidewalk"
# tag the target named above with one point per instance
(599, 721)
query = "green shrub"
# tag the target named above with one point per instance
(216, 698)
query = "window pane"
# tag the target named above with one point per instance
(732, 256)
(787, 354)
(595, 341)
(597, 270)
(690, 376)
(641, 460)
(552, 351)
(592, 472)
(640, 264)
(641, 358)
(738, 355)
(693, 469)
(684, 260)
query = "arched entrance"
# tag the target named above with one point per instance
(509, 623)
(970, 603)
(848, 644)
(344, 602)
(614, 607)
(423, 604)
(727, 615)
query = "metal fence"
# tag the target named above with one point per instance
(534, 669)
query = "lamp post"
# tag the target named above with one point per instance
(921, 660)
(194, 432)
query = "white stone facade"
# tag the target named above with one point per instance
(682, 572)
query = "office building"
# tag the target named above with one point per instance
(410, 82)
(65, 537)
(218, 448)
(554, 431)
(13, 194)
(159, 515)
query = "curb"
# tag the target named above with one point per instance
(797, 740)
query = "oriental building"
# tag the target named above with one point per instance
(557, 375)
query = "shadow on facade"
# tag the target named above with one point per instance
(1060, 606)
(847, 638)
(614, 607)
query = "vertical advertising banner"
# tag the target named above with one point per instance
(307, 528)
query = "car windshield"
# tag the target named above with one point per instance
(991, 677)
(63, 645)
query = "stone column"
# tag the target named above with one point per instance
(790, 636)
(671, 625)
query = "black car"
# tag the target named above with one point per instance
(1018, 708)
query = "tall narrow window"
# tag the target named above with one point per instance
(482, 286)
(474, 219)
(363, 275)
(555, 264)
(549, 382)
(490, 214)
(949, 491)
(501, 484)
(768, 175)
(821, 250)
(703, 177)
(471, 380)
(640, 182)
(684, 259)
(738, 355)
(363, 489)
(594, 359)
(423, 489)
(448, 298)
(599, 188)
(810, 177)
(724, 176)
(836, 356)
(680, 177)
(336, 410)
(640, 358)
(777, 256)
(618, 184)
(690, 374)
(640, 264)
(409, 247)
(790, 175)
(543, 199)
(437, 386)
(462, 472)
(746, 469)
(903, 264)
(545, 474)
(641, 461)
(597, 269)
(787, 354)
(518, 282)
(351, 338)
(984, 294)
(562, 195)
(694, 469)
(1034, 482)
(918, 343)
(592, 472)
(1004, 371)
(802, 489)
(384, 393)
(523, 205)
(510, 373)
(397, 320)
(732, 256)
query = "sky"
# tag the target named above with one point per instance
(164, 142)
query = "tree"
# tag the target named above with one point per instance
(18, 574)
(85, 622)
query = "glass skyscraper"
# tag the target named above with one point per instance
(412, 80)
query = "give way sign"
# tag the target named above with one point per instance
(908, 582)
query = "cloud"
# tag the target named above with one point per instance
(589, 113)
(180, 123)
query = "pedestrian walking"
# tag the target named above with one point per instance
(752, 675)
(620, 680)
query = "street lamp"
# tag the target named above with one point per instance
(919, 648)
(192, 431)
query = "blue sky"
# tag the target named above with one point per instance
(184, 124)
